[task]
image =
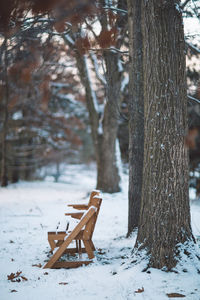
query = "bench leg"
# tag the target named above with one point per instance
(51, 243)
(92, 245)
(88, 249)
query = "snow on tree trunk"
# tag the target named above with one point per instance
(165, 214)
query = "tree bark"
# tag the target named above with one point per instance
(165, 214)
(136, 114)
(4, 175)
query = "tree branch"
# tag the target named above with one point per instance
(116, 9)
(195, 49)
(193, 99)
(112, 49)
(184, 4)
(96, 68)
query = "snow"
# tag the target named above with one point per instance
(124, 83)
(17, 115)
(29, 209)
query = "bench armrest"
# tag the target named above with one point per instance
(78, 206)
(75, 215)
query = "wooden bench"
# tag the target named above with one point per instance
(82, 233)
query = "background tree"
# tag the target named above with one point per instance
(136, 113)
(103, 113)
(36, 131)
(65, 19)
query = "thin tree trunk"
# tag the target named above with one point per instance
(104, 131)
(4, 175)
(136, 114)
(108, 177)
(165, 214)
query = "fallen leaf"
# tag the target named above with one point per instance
(175, 295)
(37, 265)
(11, 276)
(63, 283)
(18, 273)
(101, 252)
(15, 277)
(46, 273)
(13, 291)
(24, 278)
(140, 290)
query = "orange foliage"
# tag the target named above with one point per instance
(44, 87)
(13, 101)
(190, 140)
(107, 38)
(60, 26)
(83, 45)
(112, 18)
(74, 10)
(43, 6)
(26, 75)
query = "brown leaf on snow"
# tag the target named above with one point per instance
(37, 265)
(13, 275)
(24, 278)
(175, 295)
(13, 291)
(63, 283)
(140, 290)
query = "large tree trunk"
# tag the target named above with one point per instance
(136, 114)
(165, 214)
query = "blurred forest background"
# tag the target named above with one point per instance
(64, 88)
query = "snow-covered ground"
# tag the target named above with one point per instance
(29, 209)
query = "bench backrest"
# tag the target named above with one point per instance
(92, 195)
(89, 227)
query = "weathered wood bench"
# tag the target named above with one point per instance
(81, 233)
